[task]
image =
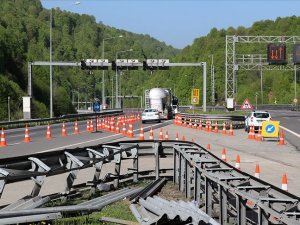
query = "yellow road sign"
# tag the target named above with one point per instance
(270, 129)
(195, 96)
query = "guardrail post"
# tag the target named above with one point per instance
(156, 149)
(197, 185)
(117, 160)
(208, 196)
(176, 166)
(136, 168)
(38, 165)
(3, 173)
(73, 162)
(241, 210)
(93, 154)
(262, 217)
(222, 204)
(182, 172)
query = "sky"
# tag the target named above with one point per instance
(178, 22)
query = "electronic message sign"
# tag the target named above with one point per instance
(276, 54)
(296, 54)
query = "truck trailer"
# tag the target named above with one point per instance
(162, 100)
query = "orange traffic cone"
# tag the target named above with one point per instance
(210, 127)
(259, 134)
(200, 125)
(91, 125)
(167, 136)
(117, 128)
(223, 157)
(224, 128)
(161, 136)
(238, 162)
(230, 129)
(257, 171)
(206, 126)
(76, 129)
(48, 133)
(63, 130)
(177, 137)
(216, 127)
(87, 125)
(208, 147)
(27, 137)
(284, 185)
(130, 131)
(142, 136)
(98, 124)
(281, 137)
(3, 140)
(253, 133)
(124, 129)
(183, 138)
(151, 134)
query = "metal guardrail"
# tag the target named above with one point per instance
(223, 192)
(70, 117)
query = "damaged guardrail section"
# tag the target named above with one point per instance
(225, 194)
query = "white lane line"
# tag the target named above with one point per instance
(84, 142)
(292, 132)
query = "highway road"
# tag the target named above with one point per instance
(39, 143)
(290, 122)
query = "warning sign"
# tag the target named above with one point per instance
(270, 129)
(195, 96)
(246, 105)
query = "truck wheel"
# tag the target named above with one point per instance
(143, 121)
(159, 121)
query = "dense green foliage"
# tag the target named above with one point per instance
(24, 37)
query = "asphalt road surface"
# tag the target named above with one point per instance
(290, 122)
(39, 143)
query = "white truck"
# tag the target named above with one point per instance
(162, 100)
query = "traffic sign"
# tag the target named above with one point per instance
(270, 129)
(276, 54)
(246, 105)
(195, 96)
(96, 107)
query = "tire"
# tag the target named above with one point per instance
(143, 121)
(159, 121)
(248, 129)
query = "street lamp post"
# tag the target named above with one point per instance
(51, 75)
(8, 108)
(117, 88)
(103, 83)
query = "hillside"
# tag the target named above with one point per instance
(24, 37)
(277, 85)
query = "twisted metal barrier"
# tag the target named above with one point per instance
(226, 194)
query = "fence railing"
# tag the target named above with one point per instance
(224, 192)
(70, 117)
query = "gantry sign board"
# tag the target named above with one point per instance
(246, 105)
(195, 97)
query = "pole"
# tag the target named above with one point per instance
(117, 90)
(256, 100)
(261, 86)
(204, 86)
(103, 83)
(51, 94)
(8, 108)
(78, 100)
(112, 91)
(295, 82)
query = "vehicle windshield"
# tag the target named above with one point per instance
(261, 115)
(150, 110)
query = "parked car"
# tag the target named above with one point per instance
(150, 115)
(255, 118)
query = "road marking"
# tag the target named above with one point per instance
(98, 139)
(292, 132)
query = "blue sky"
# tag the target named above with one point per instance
(178, 22)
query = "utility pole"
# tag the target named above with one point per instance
(8, 108)
(212, 75)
